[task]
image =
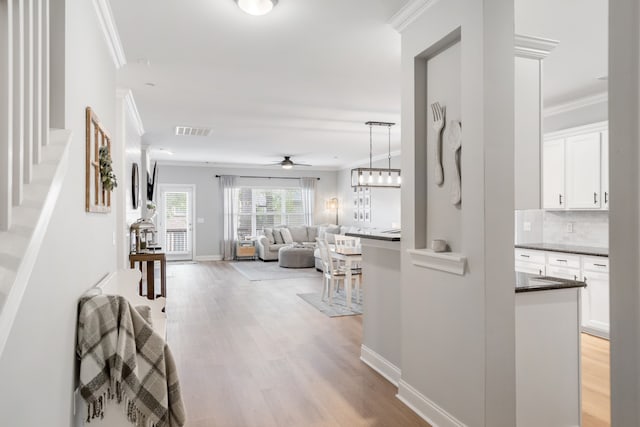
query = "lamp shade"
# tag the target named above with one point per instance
(256, 7)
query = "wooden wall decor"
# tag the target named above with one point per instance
(98, 199)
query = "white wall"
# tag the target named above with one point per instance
(37, 368)
(208, 199)
(385, 202)
(458, 334)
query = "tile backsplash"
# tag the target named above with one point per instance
(583, 228)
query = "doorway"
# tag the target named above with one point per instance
(175, 226)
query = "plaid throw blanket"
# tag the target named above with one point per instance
(122, 359)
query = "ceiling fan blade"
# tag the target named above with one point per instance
(301, 164)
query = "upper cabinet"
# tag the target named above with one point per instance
(575, 169)
(553, 171)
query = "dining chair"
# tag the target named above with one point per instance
(334, 274)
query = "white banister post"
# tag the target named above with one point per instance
(18, 99)
(46, 66)
(27, 172)
(37, 82)
(6, 106)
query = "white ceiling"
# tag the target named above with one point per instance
(300, 81)
(572, 68)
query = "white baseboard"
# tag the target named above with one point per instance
(381, 365)
(425, 408)
(208, 258)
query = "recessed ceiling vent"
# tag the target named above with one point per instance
(191, 131)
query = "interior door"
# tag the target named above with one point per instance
(176, 222)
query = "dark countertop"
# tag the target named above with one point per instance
(389, 237)
(569, 249)
(523, 283)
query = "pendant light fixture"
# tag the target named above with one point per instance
(256, 7)
(374, 177)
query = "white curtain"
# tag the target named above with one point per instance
(308, 186)
(228, 191)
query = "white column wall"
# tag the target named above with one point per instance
(624, 210)
(46, 67)
(458, 332)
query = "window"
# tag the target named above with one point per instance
(258, 208)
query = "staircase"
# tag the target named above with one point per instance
(33, 158)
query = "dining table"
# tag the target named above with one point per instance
(348, 258)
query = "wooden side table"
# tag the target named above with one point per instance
(150, 259)
(246, 249)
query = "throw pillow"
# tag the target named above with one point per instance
(299, 233)
(277, 236)
(286, 235)
(330, 234)
(268, 233)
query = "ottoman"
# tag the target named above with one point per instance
(296, 257)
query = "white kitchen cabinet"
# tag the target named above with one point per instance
(575, 169)
(595, 297)
(605, 170)
(583, 165)
(553, 174)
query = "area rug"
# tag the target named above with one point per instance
(258, 270)
(337, 309)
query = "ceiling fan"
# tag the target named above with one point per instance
(287, 163)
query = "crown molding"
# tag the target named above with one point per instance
(132, 109)
(578, 130)
(409, 13)
(247, 166)
(110, 31)
(533, 47)
(576, 104)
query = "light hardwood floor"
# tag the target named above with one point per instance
(255, 354)
(596, 396)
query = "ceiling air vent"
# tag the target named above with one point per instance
(191, 131)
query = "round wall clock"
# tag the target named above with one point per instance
(135, 185)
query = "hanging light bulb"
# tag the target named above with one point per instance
(389, 179)
(380, 180)
(370, 178)
(360, 178)
(399, 178)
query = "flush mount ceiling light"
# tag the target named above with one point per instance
(256, 7)
(375, 177)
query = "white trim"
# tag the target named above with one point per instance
(409, 13)
(578, 130)
(216, 165)
(16, 292)
(110, 31)
(205, 258)
(450, 262)
(132, 109)
(533, 47)
(381, 365)
(425, 408)
(576, 104)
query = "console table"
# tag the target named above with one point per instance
(150, 258)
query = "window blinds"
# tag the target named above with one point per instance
(259, 208)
